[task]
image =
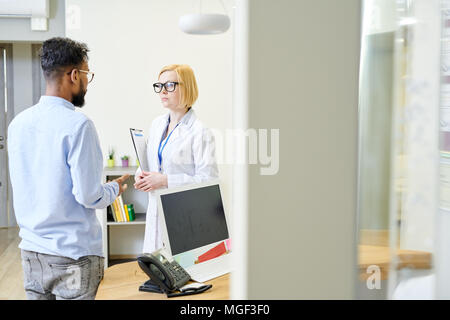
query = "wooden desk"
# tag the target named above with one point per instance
(374, 250)
(381, 256)
(122, 281)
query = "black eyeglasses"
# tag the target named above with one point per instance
(170, 86)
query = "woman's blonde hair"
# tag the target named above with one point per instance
(187, 83)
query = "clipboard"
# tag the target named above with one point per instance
(140, 146)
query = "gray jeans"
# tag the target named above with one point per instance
(48, 277)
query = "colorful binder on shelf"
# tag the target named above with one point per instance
(113, 214)
(122, 212)
(119, 212)
(126, 212)
(130, 209)
(115, 211)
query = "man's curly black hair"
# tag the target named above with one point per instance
(58, 53)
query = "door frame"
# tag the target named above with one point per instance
(38, 78)
(8, 219)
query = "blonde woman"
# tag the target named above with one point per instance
(180, 149)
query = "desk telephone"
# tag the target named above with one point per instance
(166, 275)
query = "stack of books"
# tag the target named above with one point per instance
(122, 212)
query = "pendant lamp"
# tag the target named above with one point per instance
(202, 23)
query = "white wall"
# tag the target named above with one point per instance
(130, 41)
(303, 65)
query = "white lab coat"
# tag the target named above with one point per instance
(188, 157)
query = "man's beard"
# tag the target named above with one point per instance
(78, 99)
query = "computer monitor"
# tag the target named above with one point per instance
(193, 220)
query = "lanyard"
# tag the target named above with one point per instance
(160, 150)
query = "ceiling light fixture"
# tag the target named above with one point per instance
(202, 23)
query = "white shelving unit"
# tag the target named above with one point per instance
(123, 239)
(140, 219)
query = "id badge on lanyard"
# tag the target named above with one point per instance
(161, 149)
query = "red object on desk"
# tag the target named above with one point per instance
(213, 253)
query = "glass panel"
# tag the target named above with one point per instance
(375, 122)
(442, 260)
(399, 149)
(414, 199)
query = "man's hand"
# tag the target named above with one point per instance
(120, 181)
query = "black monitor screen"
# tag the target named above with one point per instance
(194, 218)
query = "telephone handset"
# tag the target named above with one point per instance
(168, 275)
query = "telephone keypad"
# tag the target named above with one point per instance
(177, 272)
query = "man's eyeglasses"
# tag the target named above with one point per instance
(90, 75)
(169, 86)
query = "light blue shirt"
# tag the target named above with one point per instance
(55, 165)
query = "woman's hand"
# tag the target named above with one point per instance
(149, 181)
(138, 178)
